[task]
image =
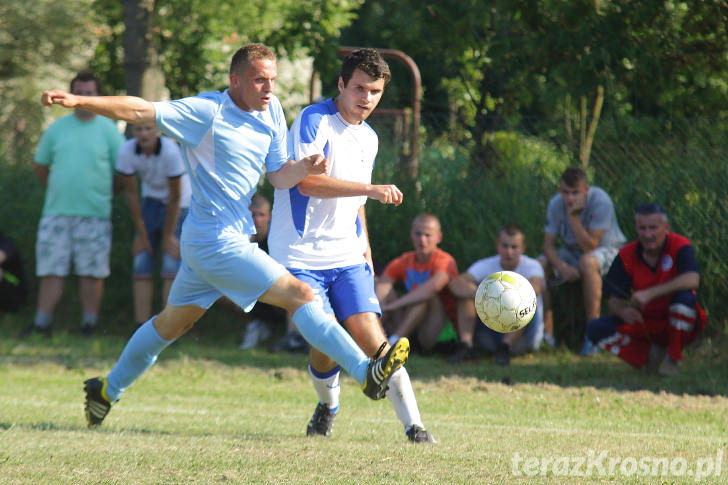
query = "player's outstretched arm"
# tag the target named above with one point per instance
(293, 172)
(128, 108)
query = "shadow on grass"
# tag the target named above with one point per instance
(704, 370)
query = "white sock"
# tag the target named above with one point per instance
(393, 339)
(327, 386)
(402, 397)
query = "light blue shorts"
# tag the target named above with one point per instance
(223, 264)
(343, 291)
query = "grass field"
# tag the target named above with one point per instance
(210, 413)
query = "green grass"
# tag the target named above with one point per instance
(210, 413)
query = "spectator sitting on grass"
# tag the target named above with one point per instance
(425, 272)
(510, 246)
(653, 308)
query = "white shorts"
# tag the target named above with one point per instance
(226, 264)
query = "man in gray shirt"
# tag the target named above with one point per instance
(583, 218)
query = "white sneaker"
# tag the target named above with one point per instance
(255, 332)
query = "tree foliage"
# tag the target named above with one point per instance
(492, 62)
(38, 41)
(195, 38)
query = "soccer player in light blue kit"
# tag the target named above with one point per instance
(318, 231)
(227, 140)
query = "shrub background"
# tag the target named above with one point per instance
(679, 164)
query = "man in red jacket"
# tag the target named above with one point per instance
(654, 310)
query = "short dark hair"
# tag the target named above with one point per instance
(649, 209)
(249, 53)
(511, 229)
(367, 60)
(86, 76)
(258, 201)
(572, 176)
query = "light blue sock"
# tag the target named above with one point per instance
(139, 355)
(324, 333)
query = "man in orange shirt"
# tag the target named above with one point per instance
(425, 272)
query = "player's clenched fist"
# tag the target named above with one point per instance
(316, 164)
(66, 100)
(386, 194)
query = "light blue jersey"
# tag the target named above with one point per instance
(224, 148)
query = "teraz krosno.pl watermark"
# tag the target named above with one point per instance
(602, 464)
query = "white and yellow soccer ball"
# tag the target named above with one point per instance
(505, 301)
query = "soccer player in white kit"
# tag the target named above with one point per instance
(318, 231)
(227, 140)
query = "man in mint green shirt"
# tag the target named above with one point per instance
(75, 161)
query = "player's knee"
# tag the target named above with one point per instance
(299, 294)
(174, 322)
(305, 293)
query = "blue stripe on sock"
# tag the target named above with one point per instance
(324, 375)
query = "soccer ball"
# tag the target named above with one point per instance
(505, 301)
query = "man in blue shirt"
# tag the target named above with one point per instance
(228, 139)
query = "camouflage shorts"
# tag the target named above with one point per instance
(84, 240)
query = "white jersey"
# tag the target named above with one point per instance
(312, 233)
(155, 170)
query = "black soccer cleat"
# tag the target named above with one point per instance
(321, 422)
(97, 405)
(381, 368)
(420, 435)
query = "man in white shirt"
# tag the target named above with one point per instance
(510, 246)
(158, 215)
